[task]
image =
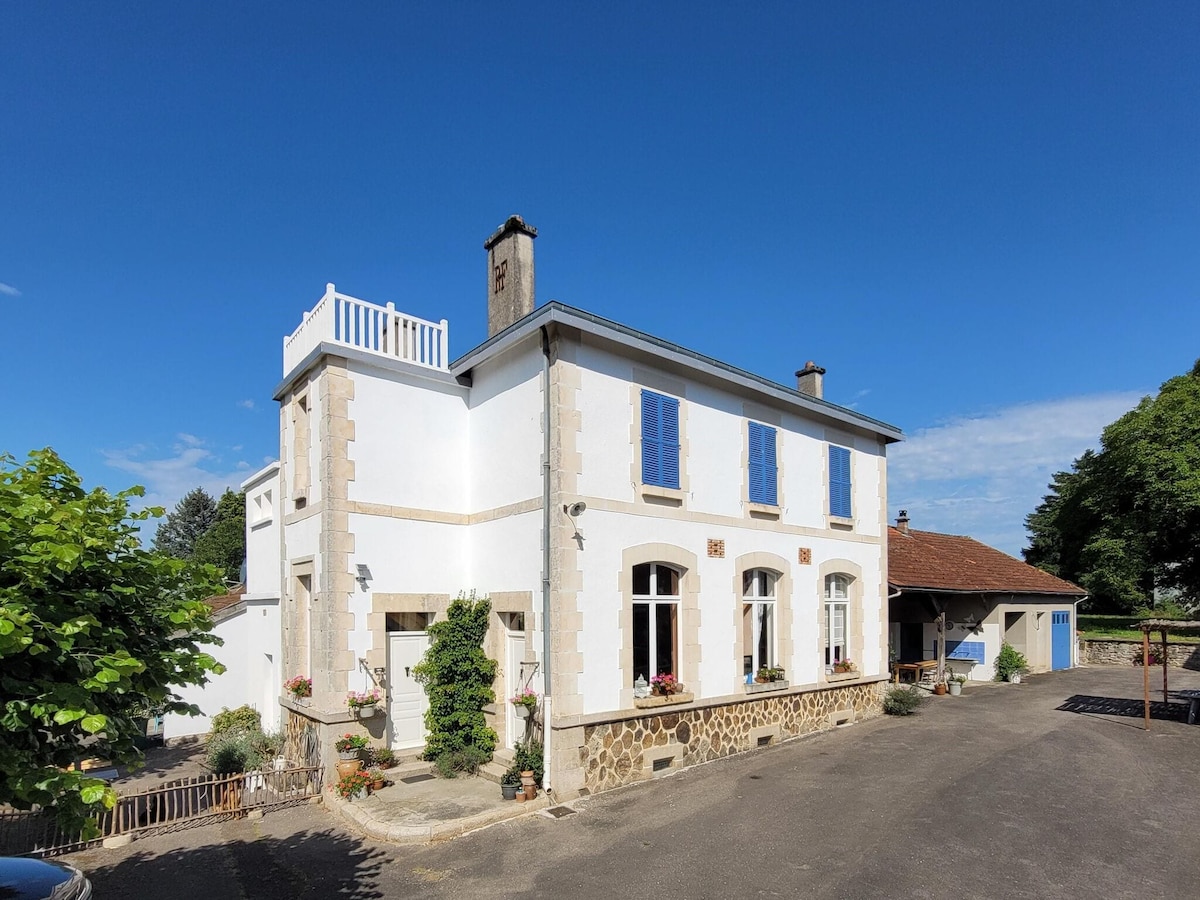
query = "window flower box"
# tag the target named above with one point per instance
(755, 687)
(662, 700)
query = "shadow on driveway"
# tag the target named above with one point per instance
(1120, 706)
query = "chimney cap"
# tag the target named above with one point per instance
(810, 368)
(512, 223)
(902, 522)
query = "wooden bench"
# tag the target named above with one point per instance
(918, 669)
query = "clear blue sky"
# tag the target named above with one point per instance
(982, 218)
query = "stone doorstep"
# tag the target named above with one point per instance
(433, 831)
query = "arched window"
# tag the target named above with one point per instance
(655, 621)
(837, 618)
(758, 620)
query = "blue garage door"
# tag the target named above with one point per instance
(1060, 641)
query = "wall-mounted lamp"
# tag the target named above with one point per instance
(364, 575)
(574, 510)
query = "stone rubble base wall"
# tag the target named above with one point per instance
(622, 752)
(1128, 652)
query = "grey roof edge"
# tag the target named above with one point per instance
(554, 311)
(329, 348)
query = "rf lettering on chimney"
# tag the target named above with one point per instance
(510, 273)
(809, 380)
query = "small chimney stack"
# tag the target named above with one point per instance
(510, 273)
(902, 522)
(809, 380)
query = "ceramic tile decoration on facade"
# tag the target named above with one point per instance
(631, 507)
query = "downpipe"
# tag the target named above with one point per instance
(547, 700)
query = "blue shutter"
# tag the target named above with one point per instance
(651, 439)
(670, 441)
(763, 476)
(839, 482)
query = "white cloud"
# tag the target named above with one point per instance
(246, 404)
(981, 475)
(168, 478)
(9, 290)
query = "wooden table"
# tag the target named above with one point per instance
(917, 668)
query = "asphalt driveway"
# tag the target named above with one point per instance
(1045, 789)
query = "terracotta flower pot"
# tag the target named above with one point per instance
(348, 767)
(939, 688)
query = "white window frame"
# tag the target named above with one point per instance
(760, 595)
(837, 599)
(653, 601)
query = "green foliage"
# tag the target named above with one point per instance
(528, 756)
(223, 544)
(903, 701)
(243, 719)
(383, 757)
(94, 631)
(192, 516)
(458, 676)
(1009, 661)
(1126, 521)
(239, 749)
(467, 760)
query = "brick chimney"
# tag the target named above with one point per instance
(510, 273)
(902, 522)
(809, 380)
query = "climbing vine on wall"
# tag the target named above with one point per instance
(458, 676)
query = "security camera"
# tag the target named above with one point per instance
(574, 509)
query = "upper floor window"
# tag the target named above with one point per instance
(660, 440)
(839, 482)
(837, 619)
(764, 473)
(758, 621)
(655, 621)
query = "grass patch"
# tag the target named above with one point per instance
(1101, 628)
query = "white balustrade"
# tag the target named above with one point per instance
(350, 322)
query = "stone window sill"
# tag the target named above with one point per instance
(663, 495)
(763, 511)
(766, 686)
(843, 676)
(840, 522)
(651, 702)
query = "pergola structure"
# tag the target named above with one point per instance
(1162, 626)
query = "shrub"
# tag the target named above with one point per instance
(457, 676)
(467, 760)
(244, 719)
(232, 752)
(527, 755)
(903, 701)
(1009, 661)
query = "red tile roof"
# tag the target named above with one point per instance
(224, 601)
(952, 562)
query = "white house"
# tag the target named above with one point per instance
(631, 508)
(247, 620)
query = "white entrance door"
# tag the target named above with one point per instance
(406, 698)
(515, 643)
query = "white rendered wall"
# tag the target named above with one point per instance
(251, 659)
(263, 524)
(410, 440)
(505, 444)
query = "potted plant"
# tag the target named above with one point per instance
(665, 684)
(376, 778)
(348, 748)
(843, 666)
(940, 688)
(1010, 664)
(761, 677)
(383, 758)
(353, 786)
(362, 703)
(300, 689)
(774, 673)
(510, 783)
(956, 683)
(524, 703)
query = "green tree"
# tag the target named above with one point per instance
(458, 678)
(192, 516)
(1126, 520)
(94, 631)
(224, 543)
